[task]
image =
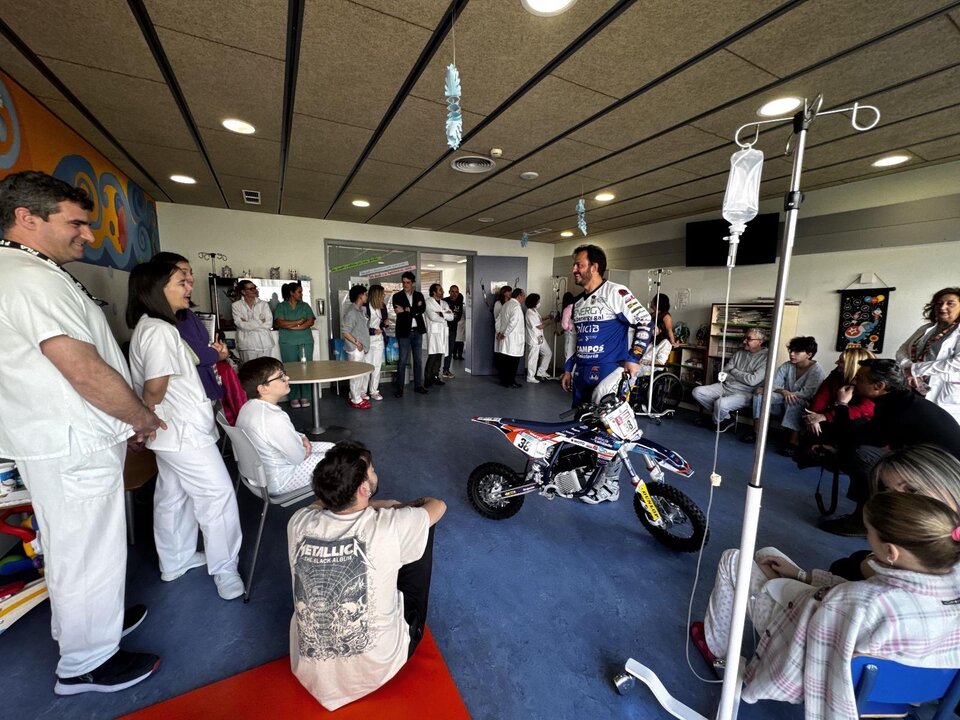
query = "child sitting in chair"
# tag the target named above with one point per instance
(288, 457)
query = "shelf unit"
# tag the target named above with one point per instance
(689, 362)
(743, 317)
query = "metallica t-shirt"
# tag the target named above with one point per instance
(347, 635)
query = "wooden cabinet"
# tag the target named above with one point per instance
(689, 363)
(743, 317)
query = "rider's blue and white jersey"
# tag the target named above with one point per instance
(612, 327)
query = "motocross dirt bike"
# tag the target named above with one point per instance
(568, 459)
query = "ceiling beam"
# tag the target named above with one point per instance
(426, 55)
(149, 33)
(52, 78)
(295, 10)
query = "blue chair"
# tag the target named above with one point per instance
(885, 687)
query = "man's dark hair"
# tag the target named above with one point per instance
(409, 276)
(342, 470)
(517, 292)
(356, 291)
(596, 255)
(241, 286)
(169, 257)
(803, 343)
(532, 300)
(39, 193)
(256, 372)
(886, 371)
(503, 294)
(434, 287)
(145, 292)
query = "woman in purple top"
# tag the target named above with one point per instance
(193, 331)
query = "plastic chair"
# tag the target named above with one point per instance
(887, 688)
(252, 475)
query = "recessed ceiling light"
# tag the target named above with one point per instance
(890, 160)
(529, 175)
(604, 197)
(360, 203)
(546, 8)
(239, 126)
(183, 179)
(779, 106)
(462, 262)
(567, 233)
(486, 219)
(430, 265)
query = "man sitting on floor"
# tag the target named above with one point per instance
(901, 418)
(745, 372)
(361, 578)
(288, 457)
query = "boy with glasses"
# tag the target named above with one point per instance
(288, 457)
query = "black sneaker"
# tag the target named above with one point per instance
(132, 617)
(123, 670)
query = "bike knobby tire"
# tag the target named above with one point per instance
(487, 479)
(685, 527)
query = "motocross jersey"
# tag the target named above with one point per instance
(612, 327)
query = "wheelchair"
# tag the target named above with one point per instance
(667, 394)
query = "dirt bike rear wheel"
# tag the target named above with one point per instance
(684, 527)
(487, 480)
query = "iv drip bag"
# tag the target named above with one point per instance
(742, 199)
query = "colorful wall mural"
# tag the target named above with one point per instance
(124, 217)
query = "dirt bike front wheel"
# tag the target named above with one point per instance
(486, 483)
(684, 527)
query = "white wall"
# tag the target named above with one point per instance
(257, 241)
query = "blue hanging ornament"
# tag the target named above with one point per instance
(581, 216)
(524, 239)
(454, 125)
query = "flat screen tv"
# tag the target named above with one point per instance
(706, 246)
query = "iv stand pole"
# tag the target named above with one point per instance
(730, 696)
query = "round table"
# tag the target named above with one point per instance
(321, 371)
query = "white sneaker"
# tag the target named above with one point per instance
(376, 396)
(533, 380)
(229, 585)
(608, 491)
(197, 560)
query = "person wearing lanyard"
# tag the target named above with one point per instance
(70, 448)
(254, 321)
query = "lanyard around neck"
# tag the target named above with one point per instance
(53, 263)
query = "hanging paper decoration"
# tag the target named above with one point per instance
(581, 216)
(524, 239)
(454, 116)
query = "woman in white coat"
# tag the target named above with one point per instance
(194, 490)
(436, 315)
(510, 337)
(930, 358)
(539, 353)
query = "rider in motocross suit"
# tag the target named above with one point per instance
(613, 331)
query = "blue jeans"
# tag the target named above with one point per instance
(407, 344)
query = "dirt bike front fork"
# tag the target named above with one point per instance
(656, 475)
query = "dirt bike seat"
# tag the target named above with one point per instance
(543, 427)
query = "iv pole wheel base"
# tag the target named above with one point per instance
(624, 682)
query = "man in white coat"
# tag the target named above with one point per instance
(68, 410)
(510, 337)
(254, 322)
(437, 315)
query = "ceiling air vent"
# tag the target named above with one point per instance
(251, 197)
(472, 164)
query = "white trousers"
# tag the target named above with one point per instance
(720, 407)
(761, 607)
(357, 385)
(247, 354)
(374, 356)
(542, 352)
(78, 501)
(194, 491)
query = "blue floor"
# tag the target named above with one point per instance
(534, 614)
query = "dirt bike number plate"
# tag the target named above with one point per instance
(530, 445)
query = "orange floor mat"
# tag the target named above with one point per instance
(422, 689)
